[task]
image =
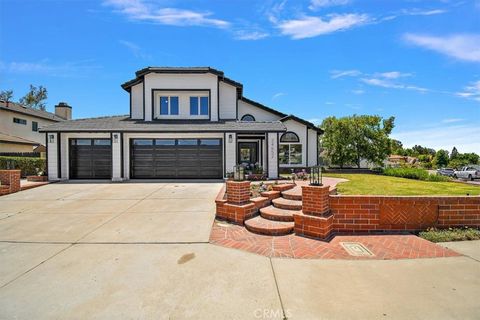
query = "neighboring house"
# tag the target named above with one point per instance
(398, 160)
(183, 123)
(19, 126)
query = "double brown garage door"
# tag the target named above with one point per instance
(176, 159)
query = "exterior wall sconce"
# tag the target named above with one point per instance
(316, 176)
(230, 138)
(115, 138)
(51, 138)
(238, 173)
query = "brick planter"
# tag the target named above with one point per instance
(37, 178)
(238, 192)
(315, 200)
(10, 179)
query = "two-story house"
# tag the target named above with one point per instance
(19, 125)
(183, 123)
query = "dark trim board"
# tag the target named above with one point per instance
(224, 154)
(111, 154)
(48, 156)
(143, 98)
(122, 161)
(153, 90)
(278, 158)
(130, 94)
(306, 143)
(218, 100)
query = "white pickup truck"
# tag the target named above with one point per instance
(470, 172)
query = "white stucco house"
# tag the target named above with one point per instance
(183, 123)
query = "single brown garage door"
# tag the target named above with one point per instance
(176, 158)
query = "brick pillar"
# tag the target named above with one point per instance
(238, 192)
(315, 200)
(11, 178)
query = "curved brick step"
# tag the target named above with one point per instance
(293, 194)
(276, 214)
(268, 227)
(283, 186)
(287, 204)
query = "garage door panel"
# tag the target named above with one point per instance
(177, 158)
(90, 158)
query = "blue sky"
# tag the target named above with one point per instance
(416, 60)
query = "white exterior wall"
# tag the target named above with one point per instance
(272, 150)
(23, 130)
(136, 92)
(230, 151)
(64, 145)
(228, 101)
(116, 157)
(52, 157)
(259, 114)
(181, 81)
(146, 135)
(312, 148)
(301, 130)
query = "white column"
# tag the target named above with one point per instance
(116, 157)
(272, 150)
(230, 151)
(52, 156)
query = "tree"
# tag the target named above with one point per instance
(35, 98)
(396, 147)
(454, 153)
(441, 158)
(6, 95)
(352, 139)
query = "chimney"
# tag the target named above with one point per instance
(63, 110)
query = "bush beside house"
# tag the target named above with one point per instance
(29, 166)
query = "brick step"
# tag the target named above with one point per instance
(263, 226)
(287, 204)
(271, 194)
(276, 214)
(293, 194)
(283, 187)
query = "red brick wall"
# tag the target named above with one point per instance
(238, 191)
(315, 200)
(387, 213)
(10, 178)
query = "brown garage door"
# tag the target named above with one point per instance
(90, 158)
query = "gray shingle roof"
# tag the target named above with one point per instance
(125, 124)
(15, 107)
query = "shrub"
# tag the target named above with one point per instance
(451, 234)
(414, 173)
(29, 166)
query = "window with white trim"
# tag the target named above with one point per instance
(168, 105)
(290, 150)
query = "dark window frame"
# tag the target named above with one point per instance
(35, 126)
(248, 115)
(297, 139)
(19, 121)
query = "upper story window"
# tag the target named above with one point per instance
(34, 126)
(199, 106)
(168, 105)
(248, 117)
(20, 121)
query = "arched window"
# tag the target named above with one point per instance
(248, 117)
(289, 137)
(290, 149)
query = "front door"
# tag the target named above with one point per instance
(247, 152)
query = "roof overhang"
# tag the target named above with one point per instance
(307, 123)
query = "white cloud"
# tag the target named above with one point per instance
(317, 4)
(310, 26)
(47, 68)
(358, 91)
(393, 75)
(139, 10)
(315, 121)
(465, 137)
(344, 73)
(329, 103)
(471, 91)
(460, 46)
(136, 50)
(278, 95)
(250, 35)
(387, 83)
(452, 120)
(420, 12)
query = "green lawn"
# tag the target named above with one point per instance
(384, 185)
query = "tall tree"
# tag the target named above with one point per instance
(6, 95)
(454, 153)
(349, 140)
(35, 98)
(441, 158)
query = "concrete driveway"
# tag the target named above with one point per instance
(141, 251)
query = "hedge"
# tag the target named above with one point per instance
(414, 173)
(29, 166)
